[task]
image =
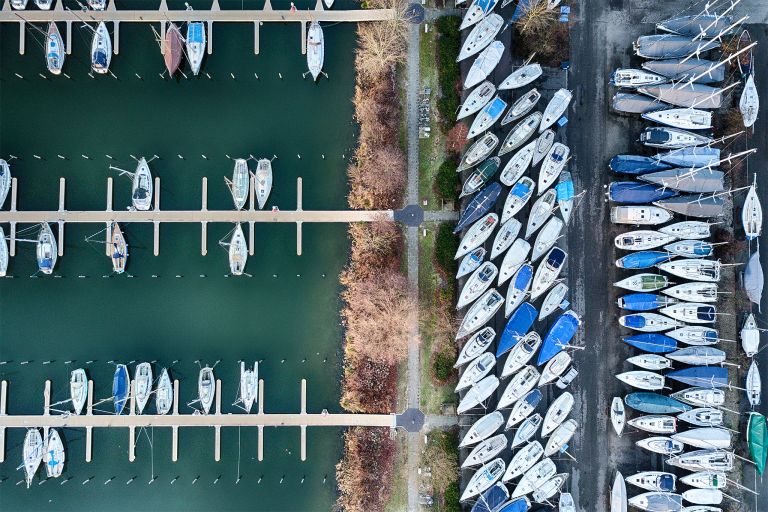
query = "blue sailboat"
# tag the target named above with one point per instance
(653, 343)
(636, 164)
(633, 192)
(653, 403)
(643, 259)
(716, 376)
(492, 499)
(518, 326)
(120, 385)
(559, 336)
(479, 206)
(643, 301)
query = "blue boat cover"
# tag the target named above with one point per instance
(564, 190)
(518, 326)
(644, 259)
(643, 301)
(520, 504)
(666, 483)
(636, 164)
(653, 403)
(652, 342)
(492, 499)
(486, 5)
(559, 336)
(195, 32)
(520, 189)
(533, 398)
(691, 157)
(706, 376)
(633, 192)
(120, 388)
(702, 248)
(496, 107)
(556, 257)
(479, 206)
(523, 277)
(634, 321)
(100, 59)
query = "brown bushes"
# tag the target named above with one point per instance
(365, 474)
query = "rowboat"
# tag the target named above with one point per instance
(681, 118)
(481, 36)
(478, 393)
(660, 444)
(523, 460)
(46, 249)
(196, 45)
(470, 262)
(142, 385)
(475, 346)
(503, 240)
(749, 103)
(644, 282)
(566, 503)
(481, 311)
(485, 451)
(523, 408)
(174, 49)
(484, 64)
(119, 250)
(618, 415)
(96, 5)
(520, 384)
(557, 413)
(237, 251)
(101, 49)
(540, 211)
(476, 371)
(120, 388)
(750, 336)
(752, 213)
(520, 133)
(753, 385)
(55, 52)
(487, 117)
(241, 183)
(518, 197)
(315, 49)
(206, 388)
(618, 494)
(480, 177)
(478, 151)
(477, 234)
(558, 442)
(671, 138)
(521, 354)
(477, 99)
(518, 164)
(553, 300)
(522, 76)
(263, 178)
(477, 284)
(78, 389)
(522, 106)
(544, 143)
(164, 393)
(633, 78)
(653, 481)
(483, 479)
(555, 108)
(548, 271)
(32, 454)
(482, 429)
(554, 368)
(54, 456)
(513, 260)
(142, 186)
(640, 215)
(553, 165)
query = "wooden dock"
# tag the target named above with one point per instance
(174, 421)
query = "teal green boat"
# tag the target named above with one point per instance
(757, 438)
(485, 171)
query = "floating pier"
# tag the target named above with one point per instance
(174, 421)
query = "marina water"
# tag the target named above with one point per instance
(285, 315)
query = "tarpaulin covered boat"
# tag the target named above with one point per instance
(693, 95)
(636, 164)
(559, 336)
(517, 326)
(688, 180)
(479, 206)
(632, 192)
(664, 46)
(700, 206)
(679, 71)
(754, 279)
(643, 301)
(715, 376)
(654, 403)
(757, 438)
(632, 103)
(643, 259)
(695, 157)
(652, 342)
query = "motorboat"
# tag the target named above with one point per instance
(749, 103)
(519, 195)
(521, 354)
(470, 262)
(519, 385)
(753, 385)
(482, 429)
(315, 49)
(142, 385)
(480, 177)
(692, 229)
(522, 106)
(640, 215)
(642, 379)
(693, 269)
(477, 99)
(540, 212)
(518, 289)
(644, 282)
(641, 240)
(173, 49)
(477, 234)
(547, 237)
(206, 388)
(55, 52)
(681, 118)
(523, 460)
(263, 178)
(484, 64)
(238, 251)
(475, 346)
(484, 478)
(750, 336)
(249, 385)
(478, 394)
(557, 413)
(655, 423)
(164, 393)
(534, 477)
(633, 78)
(559, 336)
(558, 441)
(672, 138)
(555, 108)
(505, 237)
(240, 184)
(119, 250)
(691, 249)
(54, 455)
(552, 165)
(477, 284)
(702, 417)
(481, 36)
(46, 249)
(517, 165)
(648, 322)
(196, 45)
(476, 371)
(548, 271)
(553, 300)
(523, 408)
(566, 503)
(5, 181)
(485, 451)
(520, 133)
(101, 49)
(32, 454)
(478, 151)
(705, 437)
(555, 367)
(142, 187)
(752, 213)
(78, 389)
(695, 335)
(522, 76)
(121, 385)
(487, 117)
(543, 144)
(618, 494)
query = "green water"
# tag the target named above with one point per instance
(285, 315)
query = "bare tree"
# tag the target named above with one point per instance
(382, 44)
(536, 18)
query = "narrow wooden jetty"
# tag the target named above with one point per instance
(216, 420)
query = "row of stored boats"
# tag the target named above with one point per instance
(673, 323)
(513, 246)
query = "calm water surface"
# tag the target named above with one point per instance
(285, 315)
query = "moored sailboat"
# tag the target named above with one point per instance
(54, 50)
(196, 42)
(46, 250)
(206, 388)
(238, 251)
(315, 49)
(119, 250)
(173, 49)
(78, 389)
(101, 49)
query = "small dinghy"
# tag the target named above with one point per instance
(618, 494)
(643, 301)
(249, 385)
(645, 282)
(120, 388)
(480, 312)
(648, 322)
(697, 356)
(518, 325)
(55, 52)
(554, 368)
(505, 237)
(477, 234)
(706, 480)
(315, 49)
(46, 249)
(534, 477)
(54, 456)
(564, 189)
(119, 250)
(477, 284)
(692, 229)
(101, 49)
(484, 64)
(701, 397)
(544, 143)
(206, 388)
(618, 415)
(652, 342)
(630, 78)
(513, 260)
(523, 408)
(521, 353)
(240, 184)
(478, 151)
(548, 271)
(480, 177)
(237, 251)
(518, 289)
(484, 478)
(753, 385)
(659, 481)
(693, 269)
(518, 197)
(705, 437)
(695, 335)
(522, 106)
(173, 50)
(518, 164)
(520, 133)
(263, 178)
(702, 417)
(477, 99)
(749, 103)
(142, 187)
(555, 108)
(691, 312)
(519, 386)
(540, 212)
(640, 215)
(691, 248)
(523, 460)
(643, 259)
(557, 413)
(487, 117)
(642, 379)
(481, 36)
(655, 423)
(142, 385)
(485, 451)
(553, 300)
(553, 165)
(750, 336)
(752, 213)
(559, 336)
(661, 445)
(196, 45)
(527, 430)
(482, 429)
(657, 502)
(164, 393)
(470, 262)
(558, 442)
(703, 460)
(522, 76)
(666, 137)
(478, 394)
(32, 454)
(78, 389)
(681, 118)
(476, 371)
(476, 345)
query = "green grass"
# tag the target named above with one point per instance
(431, 150)
(398, 500)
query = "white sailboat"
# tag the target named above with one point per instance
(520, 384)
(19, 5)
(487, 117)
(619, 494)
(752, 213)
(554, 368)
(97, 5)
(618, 415)
(505, 237)
(315, 49)
(476, 371)
(206, 388)
(196, 44)
(642, 379)
(527, 430)
(523, 460)
(55, 53)
(555, 108)
(513, 259)
(650, 361)
(3, 253)
(660, 444)
(543, 144)
(240, 184)
(553, 300)
(521, 354)
(557, 413)
(480, 280)
(683, 118)
(475, 346)
(640, 215)
(520, 133)
(5, 181)
(633, 78)
(482, 429)
(534, 477)
(481, 36)
(101, 49)
(478, 394)
(238, 251)
(522, 106)
(142, 187)
(119, 250)
(142, 386)
(750, 336)
(548, 271)
(552, 165)
(32, 454)
(517, 165)
(484, 478)
(78, 389)
(484, 64)
(540, 211)
(485, 451)
(46, 250)
(560, 437)
(754, 385)
(477, 99)
(547, 237)
(249, 385)
(477, 234)
(749, 103)
(164, 393)
(641, 240)
(481, 311)
(522, 76)
(263, 177)
(693, 229)
(470, 262)
(54, 456)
